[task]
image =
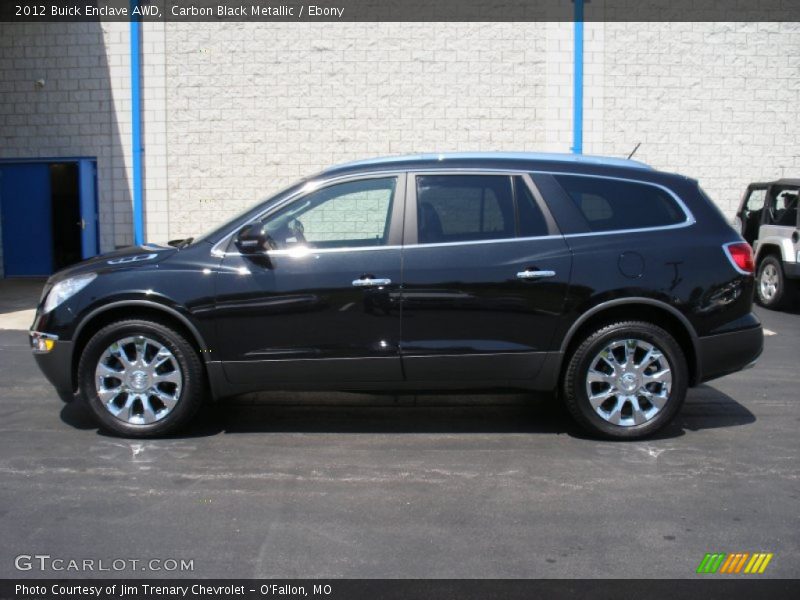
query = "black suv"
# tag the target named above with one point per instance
(607, 281)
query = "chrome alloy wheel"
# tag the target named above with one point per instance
(138, 380)
(768, 282)
(628, 382)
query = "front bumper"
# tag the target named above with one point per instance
(725, 353)
(55, 363)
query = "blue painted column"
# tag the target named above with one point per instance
(577, 82)
(136, 123)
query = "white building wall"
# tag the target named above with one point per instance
(155, 119)
(233, 112)
(253, 107)
(83, 109)
(557, 115)
(719, 102)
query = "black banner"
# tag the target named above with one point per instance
(731, 588)
(397, 10)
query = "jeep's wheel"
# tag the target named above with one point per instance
(626, 380)
(140, 378)
(771, 284)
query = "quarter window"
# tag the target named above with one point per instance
(611, 204)
(457, 208)
(351, 214)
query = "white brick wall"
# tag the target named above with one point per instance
(253, 107)
(154, 132)
(715, 101)
(718, 102)
(233, 112)
(82, 110)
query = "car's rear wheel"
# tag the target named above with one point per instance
(626, 380)
(771, 290)
(141, 378)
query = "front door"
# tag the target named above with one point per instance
(485, 276)
(320, 305)
(751, 212)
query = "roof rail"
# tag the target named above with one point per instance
(531, 156)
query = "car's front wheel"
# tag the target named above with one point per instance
(626, 380)
(771, 290)
(140, 378)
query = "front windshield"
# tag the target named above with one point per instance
(248, 214)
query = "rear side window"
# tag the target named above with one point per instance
(458, 208)
(783, 206)
(612, 204)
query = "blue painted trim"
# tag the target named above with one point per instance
(136, 124)
(577, 83)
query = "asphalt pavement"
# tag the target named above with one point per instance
(340, 485)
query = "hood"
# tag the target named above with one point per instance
(124, 258)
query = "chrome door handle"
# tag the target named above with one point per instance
(370, 282)
(535, 274)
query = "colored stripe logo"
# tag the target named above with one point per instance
(736, 563)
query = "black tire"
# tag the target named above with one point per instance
(782, 295)
(583, 358)
(190, 394)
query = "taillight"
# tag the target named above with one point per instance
(741, 256)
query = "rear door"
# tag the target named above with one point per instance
(485, 274)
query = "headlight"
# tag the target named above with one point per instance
(65, 289)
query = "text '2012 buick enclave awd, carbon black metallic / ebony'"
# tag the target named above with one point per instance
(603, 281)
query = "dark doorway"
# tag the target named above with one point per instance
(66, 212)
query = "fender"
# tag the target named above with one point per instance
(632, 300)
(148, 304)
(781, 243)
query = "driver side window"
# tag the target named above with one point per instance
(344, 215)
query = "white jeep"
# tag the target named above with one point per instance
(768, 219)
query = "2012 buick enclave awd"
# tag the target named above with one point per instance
(611, 284)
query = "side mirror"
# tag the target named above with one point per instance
(252, 239)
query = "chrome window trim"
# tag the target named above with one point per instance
(303, 251)
(479, 242)
(689, 217)
(312, 186)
